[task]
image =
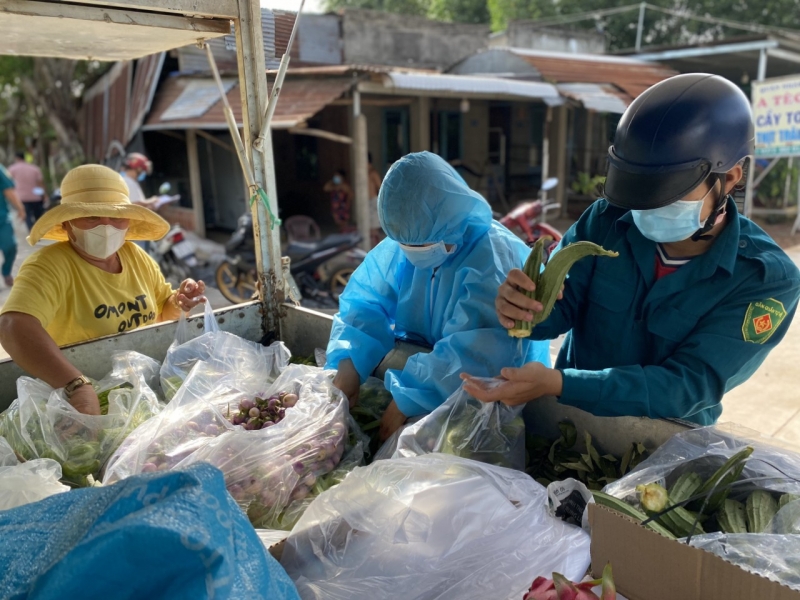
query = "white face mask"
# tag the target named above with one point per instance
(99, 242)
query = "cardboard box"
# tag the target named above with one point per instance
(649, 566)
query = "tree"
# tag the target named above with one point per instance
(39, 101)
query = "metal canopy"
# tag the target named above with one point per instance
(81, 31)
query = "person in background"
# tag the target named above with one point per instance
(431, 282)
(29, 184)
(91, 284)
(341, 199)
(8, 241)
(135, 170)
(374, 186)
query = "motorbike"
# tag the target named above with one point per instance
(317, 274)
(174, 253)
(529, 219)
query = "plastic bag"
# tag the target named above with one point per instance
(775, 554)
(268, 471)
(493, 433)
(171, 535)
(21, 483)
(432, 526)
(257, 365)
(41, 423)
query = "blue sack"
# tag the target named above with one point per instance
(172, 535)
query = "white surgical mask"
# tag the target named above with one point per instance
(427, 257)
(99, 242)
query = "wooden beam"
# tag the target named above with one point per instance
(373, 102)
(173, 134)
(326, 135)
(200, 8)
(216, 140)
(360, 167)
(195, 183)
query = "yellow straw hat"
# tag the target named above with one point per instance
(97, 191)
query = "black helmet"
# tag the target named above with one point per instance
(674, 136)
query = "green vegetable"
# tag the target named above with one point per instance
(685, 487)
(786, 499)
(721, 481)
(730, 517)
(626, 509)
(657, 504)
(549, 282)
(759, 510)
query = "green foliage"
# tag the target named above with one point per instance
(586, 185)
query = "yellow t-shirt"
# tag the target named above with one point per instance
(76, 301)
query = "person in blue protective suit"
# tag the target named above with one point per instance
(699, 294)
(432, 281)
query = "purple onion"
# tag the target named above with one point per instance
(264, 414)
(238, 419)
(193, 426)
(299, 493)
(267, 424)
(249, 426)
(254, 412)
(299, 467)
(149, 467)
(289, 400)
(246, 405)
(281, 413)
(212, 430)
(273, 403)
(309, 480)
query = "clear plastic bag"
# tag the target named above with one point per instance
(225, 351)
(41, 423)
(268, 471)
(431, 527)
(22, 483)
(493, 433)
(774, 554)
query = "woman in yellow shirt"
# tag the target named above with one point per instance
(91, 284)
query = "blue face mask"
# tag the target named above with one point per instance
(142, 176)
(427, 257)
(672, 223)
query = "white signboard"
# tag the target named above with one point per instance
(776, 109)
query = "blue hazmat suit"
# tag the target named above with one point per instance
(424, 200)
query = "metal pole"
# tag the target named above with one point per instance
(361, 172)
(253, 81)
(787, 188)
(640, 27)
(762, 65)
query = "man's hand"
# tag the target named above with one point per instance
(190, 294)
(517, 386)
(84, 400)
(348, 381)
(512, 304)
(392, 420)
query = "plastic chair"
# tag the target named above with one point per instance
(301, 228)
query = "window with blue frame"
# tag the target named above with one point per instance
(450, 138)
(395, 135)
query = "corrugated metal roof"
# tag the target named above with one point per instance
(597, 97)
(628, 74)
(197, 97)
(300, 99)
(472, 86)
(145, 82)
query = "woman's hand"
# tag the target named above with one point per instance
(512, 304)
(517, 386)
(84, 400)
(190, 294)
(392, 420)
(348, 381)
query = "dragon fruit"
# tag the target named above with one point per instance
(561, 588)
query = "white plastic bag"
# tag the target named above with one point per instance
(492, 432)
(774, 554)
(21, 483)
(225, 351)
(268, 471)
(41, 423)
(431, 527)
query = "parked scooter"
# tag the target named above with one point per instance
(319, 270)
(174, 253)
(529, 219)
